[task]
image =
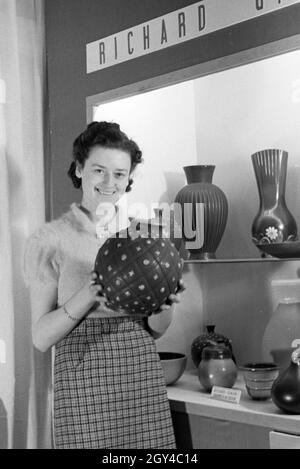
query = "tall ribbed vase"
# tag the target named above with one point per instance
(201, 190)
(273, 223)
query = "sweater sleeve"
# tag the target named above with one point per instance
(41, 256)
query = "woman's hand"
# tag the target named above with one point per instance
(91, 292)
(173, 298)
(160, 320)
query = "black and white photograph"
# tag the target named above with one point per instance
(149, 227)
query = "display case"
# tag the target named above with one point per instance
(204, 423)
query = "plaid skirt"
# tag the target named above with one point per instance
(109, 389)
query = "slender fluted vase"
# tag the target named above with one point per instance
(273, 223)
(204, 211)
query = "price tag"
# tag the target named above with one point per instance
(226, 394)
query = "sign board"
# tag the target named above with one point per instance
(198, 19)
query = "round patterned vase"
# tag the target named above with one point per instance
(203, 212)
(273, 223)
(138, 269)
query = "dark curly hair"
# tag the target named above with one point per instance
(107, 135)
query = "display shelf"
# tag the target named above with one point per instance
(188, 396)
(241, 260)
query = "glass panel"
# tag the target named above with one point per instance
(219, 119)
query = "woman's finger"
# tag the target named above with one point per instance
(102, 299)
(181, 286)
(164, 307)
(173, 297)
(95, 288)
(93, 278)
(177, 299)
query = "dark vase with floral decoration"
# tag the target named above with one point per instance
(273, 223)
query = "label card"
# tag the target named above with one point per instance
(226, 394)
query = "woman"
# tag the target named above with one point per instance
(109, 389)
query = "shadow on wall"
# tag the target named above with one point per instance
(3, 427)
(236, 241)
(174, 182)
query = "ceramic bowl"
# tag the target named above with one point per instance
(173, 365)
(259, 378)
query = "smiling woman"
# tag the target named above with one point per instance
(104, 177)
(94, 148)
(109, 389)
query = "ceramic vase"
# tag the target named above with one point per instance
(138, 269)
(282, 329)
(284, 325)
(285, 392)
(209, 338)
(273, 223)
(204, 211)
(217, 368)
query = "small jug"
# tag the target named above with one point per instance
(217, 367)
(209, 338)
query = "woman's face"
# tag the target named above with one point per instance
(104, 176)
